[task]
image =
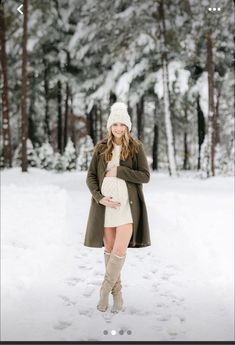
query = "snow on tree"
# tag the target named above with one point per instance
(121, 57)
(204, 158)
(1, 160)
(46, 156)
(70, 156)
(16, 160)
(85, 153)
(59, 163)
(32, 157)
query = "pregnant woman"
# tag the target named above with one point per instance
(118, 216)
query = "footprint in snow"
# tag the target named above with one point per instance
(147, 276)
(173, 268)
(62, 325)
(86, 312)
(88, 268)
(108, 317)
(98, 273)
(74, 281)
(181, 318)
(95, 282)
(88, 292)
(174, 327)
(151, 274)
(161, 305)
(156, 286)
(139, 257)
(67, 300)
(163, 317)
(165, 277)
(132, 310)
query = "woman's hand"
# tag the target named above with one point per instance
(107, 201)
(112, 172)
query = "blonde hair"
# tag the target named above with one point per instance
(130, 145)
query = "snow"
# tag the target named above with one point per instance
(179, 288)
(124, 82)
(104, 90)
(177, 74)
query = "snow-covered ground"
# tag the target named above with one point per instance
(179, 288)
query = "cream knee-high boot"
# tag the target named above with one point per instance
(112, 273)
(116, 290)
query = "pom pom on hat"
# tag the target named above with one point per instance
(120, 114)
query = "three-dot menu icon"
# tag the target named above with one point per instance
(214, 9)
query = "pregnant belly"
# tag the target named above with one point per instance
(116, 188)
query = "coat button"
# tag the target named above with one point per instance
(131, 202)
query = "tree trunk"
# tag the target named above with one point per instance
(168, 124)
(59, 119)
(211, 125)
(96, 122)
(201, 131)
(7, 150)
(186, 162)
(31, 117)
(66, 114)
(140, 119)
(155, 147)
(155, 141)
(91, 124)
(112, 98)
(46, 91)
(24, 122)
(166, 98)
(100, 121)
(217, 124)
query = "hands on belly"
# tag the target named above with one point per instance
(107, 201)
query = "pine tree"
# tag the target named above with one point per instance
(70, 156)
(204, 158)
(1, 160)
(46, 156)
(59, 163)
(16, 161)
(32, 157)
(85, 153)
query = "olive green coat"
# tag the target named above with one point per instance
(134, 171)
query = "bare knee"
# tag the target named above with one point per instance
(118, 250)
(108, 239)
(108, 248)
(123, 236)
(108, 245)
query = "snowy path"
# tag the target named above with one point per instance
(180, 288)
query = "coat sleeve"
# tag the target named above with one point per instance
(92, 179)
(141, 175)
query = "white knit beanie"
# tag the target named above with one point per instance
(120, 114)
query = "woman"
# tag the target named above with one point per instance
(118, 216)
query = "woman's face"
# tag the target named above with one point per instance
(118, 129)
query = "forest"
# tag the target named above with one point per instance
(64, 63)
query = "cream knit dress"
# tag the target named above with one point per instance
(117, 189)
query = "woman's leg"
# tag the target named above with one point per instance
(109, 238)
(122, 239)
(116, 261)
